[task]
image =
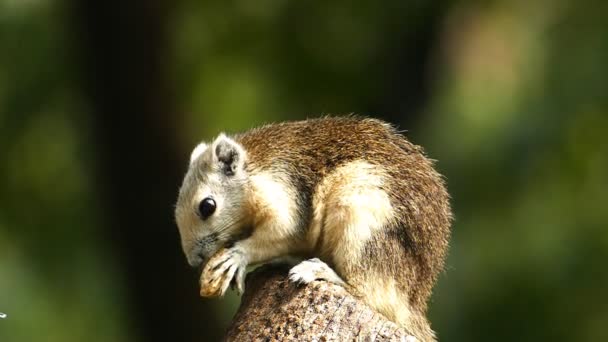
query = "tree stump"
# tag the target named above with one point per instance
(275, 309)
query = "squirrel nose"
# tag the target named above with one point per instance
(196, 257)
(196, 261)
(203, 248)
(201, 257)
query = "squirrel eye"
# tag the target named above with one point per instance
(206, 208)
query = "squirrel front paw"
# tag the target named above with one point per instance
(222, 268)
(313, 269)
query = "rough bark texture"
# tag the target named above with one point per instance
(274, 309)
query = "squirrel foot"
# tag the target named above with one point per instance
(314, 269)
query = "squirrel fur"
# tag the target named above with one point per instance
(351, 193)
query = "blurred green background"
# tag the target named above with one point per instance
(101, 102)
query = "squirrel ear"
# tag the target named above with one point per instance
(229, 154)
(198, 150)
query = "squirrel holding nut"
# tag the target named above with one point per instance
(361, 204)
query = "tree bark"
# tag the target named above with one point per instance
(275, 309)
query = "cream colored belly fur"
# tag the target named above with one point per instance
(348, 207)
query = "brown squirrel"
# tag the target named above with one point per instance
(351, 193)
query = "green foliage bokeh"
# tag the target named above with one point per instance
(516, 116)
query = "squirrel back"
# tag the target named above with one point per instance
(350, 191)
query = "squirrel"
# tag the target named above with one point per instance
(352, 194)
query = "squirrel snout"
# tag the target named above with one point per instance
(196, 259)
(202, 250)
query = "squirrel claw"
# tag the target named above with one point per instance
(240, 280)
(313, 269)
(220, 272)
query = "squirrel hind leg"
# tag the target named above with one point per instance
(314, 269)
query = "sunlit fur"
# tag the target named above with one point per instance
(350, 204)
(352, 192)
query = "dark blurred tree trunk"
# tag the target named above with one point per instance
(123, 50)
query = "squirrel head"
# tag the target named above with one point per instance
(210, 210)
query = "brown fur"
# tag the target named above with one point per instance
(411, 248)
(350, 191)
